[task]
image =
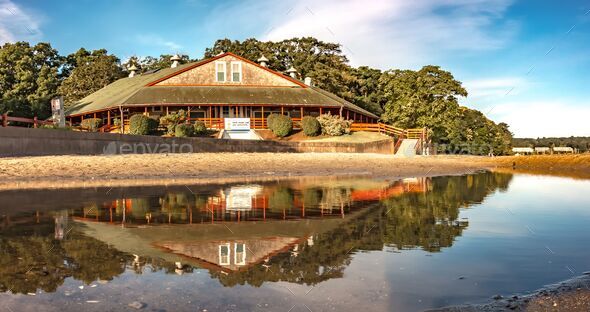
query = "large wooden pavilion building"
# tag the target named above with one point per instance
(225, 86)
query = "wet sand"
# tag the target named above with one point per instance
(127, 170)
(571, 295)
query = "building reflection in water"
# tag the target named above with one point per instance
(251, 202)
(302, 231)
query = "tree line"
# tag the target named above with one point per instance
(582, 144)
(30, 75)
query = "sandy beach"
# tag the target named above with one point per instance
(125, 170)
(69, 171)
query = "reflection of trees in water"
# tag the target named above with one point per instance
(413, 220)
(429, 220)
(33, 261)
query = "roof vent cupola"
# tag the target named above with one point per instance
(175, 61)
(263, 61)
(307, 81)
(292, 72)
(132, 69)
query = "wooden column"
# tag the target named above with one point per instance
(263, 117)
(320, 110)
(347, 114)
(301, 111)
(282, 110)
(188, 113)
(109, 118)
(210, 117)
(122, 119)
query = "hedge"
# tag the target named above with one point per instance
(310, 125)
(183, 131)
(282, 126)
(142, 125)
(92, 124)
(334, 125)
(271, 119)
(200, 128)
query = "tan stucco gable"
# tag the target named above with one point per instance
(206, 75)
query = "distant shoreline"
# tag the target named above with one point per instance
(75, 171)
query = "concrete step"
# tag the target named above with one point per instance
(407, 148)
(240, 135)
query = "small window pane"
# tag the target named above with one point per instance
(236, 77)
(220, 68)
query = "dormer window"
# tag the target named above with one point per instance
(220, 71)
(236, 71)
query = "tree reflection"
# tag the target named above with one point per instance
(428, 221)
(41, 254)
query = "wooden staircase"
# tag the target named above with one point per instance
(417, 135)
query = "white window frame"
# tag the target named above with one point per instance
(228, 254)
(239, 72)
(217, 71)
(243, 260)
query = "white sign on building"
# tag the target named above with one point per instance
(237, 123)
(239, 198)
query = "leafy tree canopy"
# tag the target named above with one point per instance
(429, 97)
(28, 78)
(150, 63)
(88, 73)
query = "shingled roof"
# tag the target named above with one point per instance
(141, 90)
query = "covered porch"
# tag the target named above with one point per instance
(213, 115)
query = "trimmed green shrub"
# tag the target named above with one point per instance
(270, 120)
(171, 120)
(282, 126)
(55, 127)
(334, 125)
(142, 125)
(311, 126)
(183, 131)
(200, 128)
(92, 124)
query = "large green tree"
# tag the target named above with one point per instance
(28, 78)
(88, 72)
(424, 98)
(150, 63)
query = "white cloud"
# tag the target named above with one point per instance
(493, 87)
(156, 40)
(394, 34)
(16, 24)
(544, 118)
(485, 93)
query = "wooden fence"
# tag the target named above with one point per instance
(419, 133)
(34, 121)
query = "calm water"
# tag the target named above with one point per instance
(298, 245)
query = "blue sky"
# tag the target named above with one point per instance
(521, 61)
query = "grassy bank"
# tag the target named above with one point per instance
(574, 166)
